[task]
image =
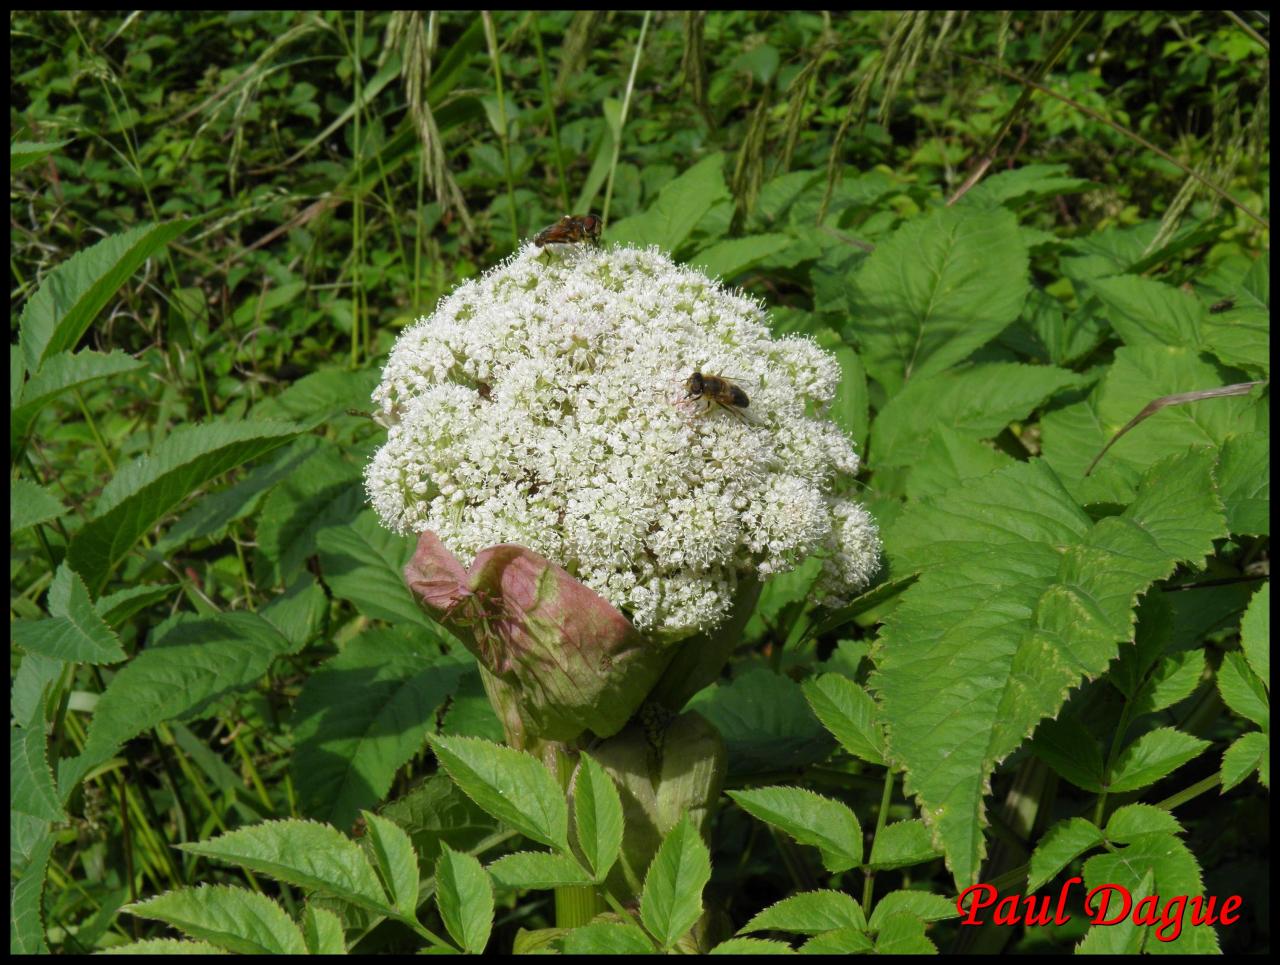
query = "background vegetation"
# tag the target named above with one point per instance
(283, 192)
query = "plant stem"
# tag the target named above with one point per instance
(620, 909)
(1117, 741)
(622, 118)
(93, 428)
(575, 904)
(1195, 790)
(868, 884)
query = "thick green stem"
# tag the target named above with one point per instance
(576, 905)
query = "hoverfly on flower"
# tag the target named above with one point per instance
(572, 229)
(716, 390)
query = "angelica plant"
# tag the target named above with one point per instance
(537, 406)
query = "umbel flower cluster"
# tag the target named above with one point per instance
(538, 406)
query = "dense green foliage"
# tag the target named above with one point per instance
(1014, 231)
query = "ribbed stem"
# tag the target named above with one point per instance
(575, 904)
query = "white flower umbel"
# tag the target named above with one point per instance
(536, 406)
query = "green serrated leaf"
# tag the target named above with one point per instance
(322, 931)
(1117, 937)
(1255, 634)
(1244, 480)
(319, 397)
(809, 913)
(922, 904)
(1154, 864)
(190, 663)
(679, 207)
(752, 946)
(437, 812)
(902, 933)
(671, 901)
(849, 408)
(70, 297)
(537, 870)
(977, 402)
(313, 856)
(328, 493)
(1146, 311)
(299, 611)
(116, 608)
(597, 811)
(465, 898)
(864, 603)
(811, 819)
(60, 373)
(23, 154)
(363, 715)
(74, 632)
(841, 941)
(211, 514)
(1068, 747)
(512, 786)
(1242, 691)
(1152, 638)
(26, 928)
(31, 789)
(364, 562)
(30, 504)
(163, 946)
(949, 459)
(1241, 336)
(236, 919)
(143, 492)
(1061, 844)
(1152, 756)
(1066, 338)
(608, 938)
(902, 844)
(1171, 680)
(539, 941)
(1250, 753)
(1132, 820)
(729, 259)
(849, 713)
(1031, 182)
(394, 861)
(1072, 436)
(941, 286)
(1021, 597)
(765, 722)
(31, 687)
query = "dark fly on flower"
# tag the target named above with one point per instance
(715, 390)
(572, 229)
